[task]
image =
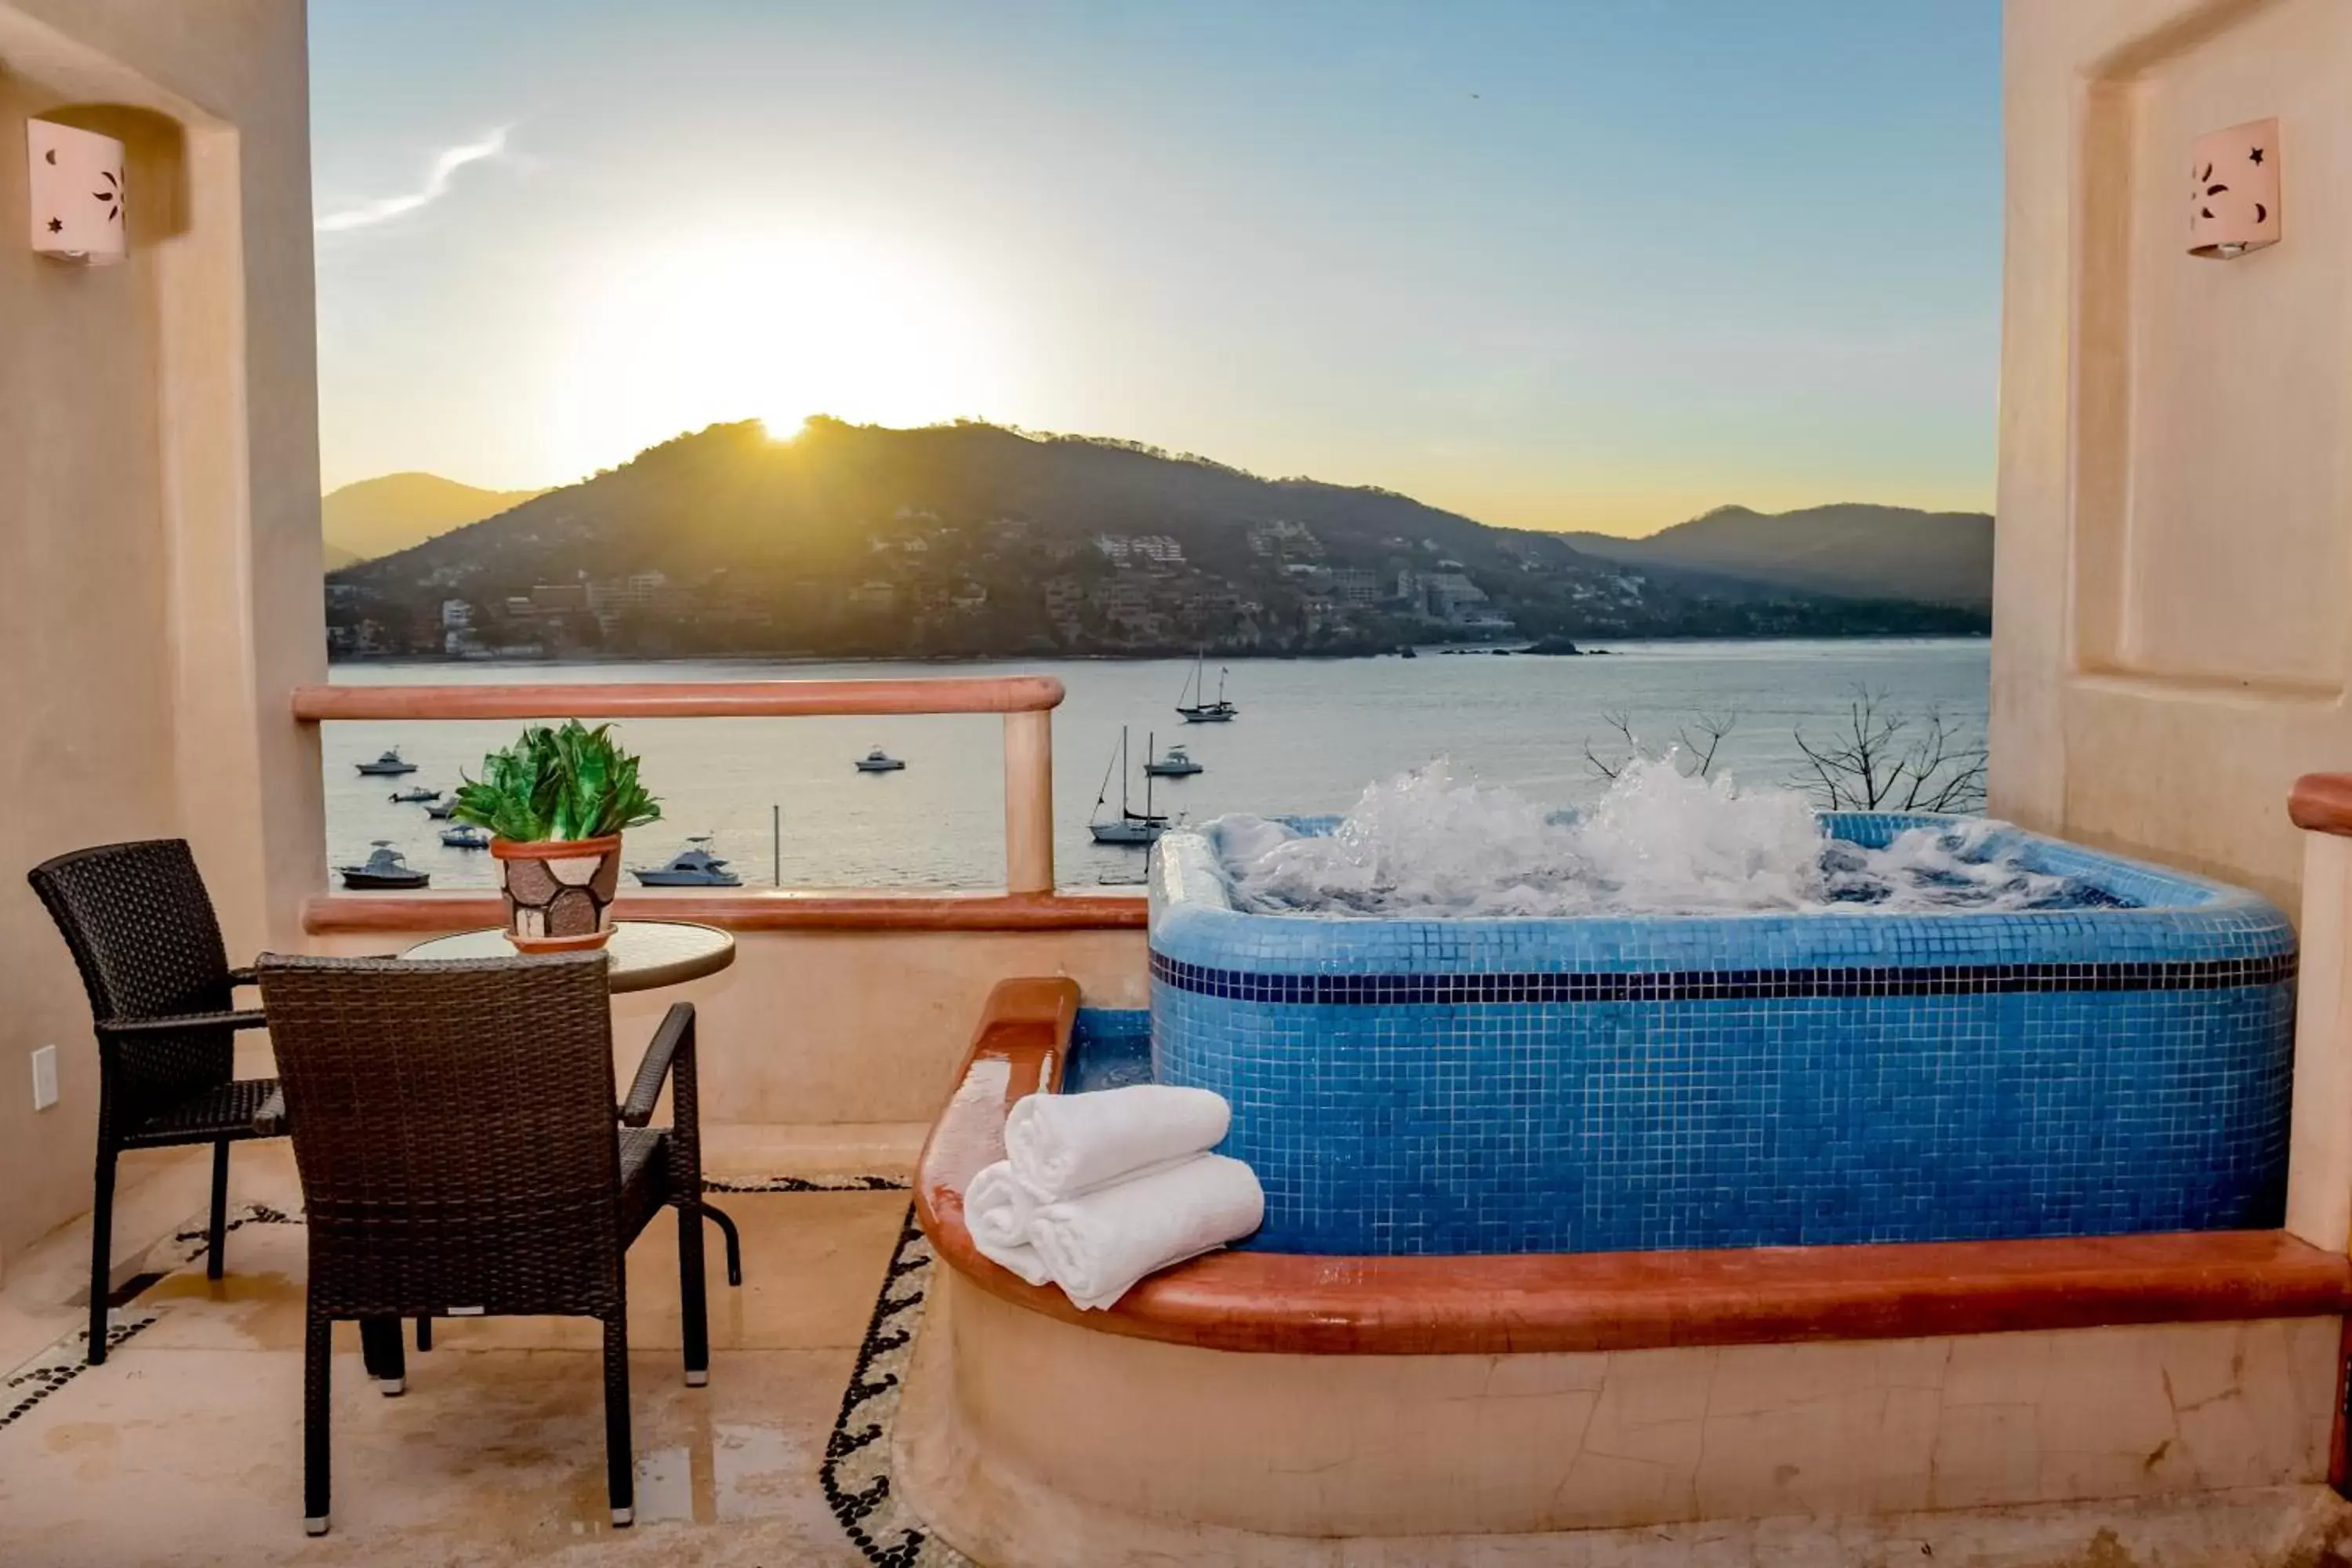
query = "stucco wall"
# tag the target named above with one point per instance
(2174, 566)
(158, 512)
(812, 1029)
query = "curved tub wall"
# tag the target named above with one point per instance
(1253, 1406)
(1418, 1446)
(1636, 1083)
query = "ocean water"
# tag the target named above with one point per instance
(1312, 734)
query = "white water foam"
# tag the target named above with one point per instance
(1431, 843)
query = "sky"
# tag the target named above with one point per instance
(1568, 264)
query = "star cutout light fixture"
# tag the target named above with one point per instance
(79, 211)
(2234, 191)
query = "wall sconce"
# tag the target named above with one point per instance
(2234, 190)
(76, 194)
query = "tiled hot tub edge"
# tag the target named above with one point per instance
(1327, 1305)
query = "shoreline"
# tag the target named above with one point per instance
(377, 661)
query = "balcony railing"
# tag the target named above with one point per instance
(1027, 702)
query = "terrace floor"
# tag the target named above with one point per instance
(186, 1446)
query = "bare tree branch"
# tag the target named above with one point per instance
(1712, 727)
(1622, 721)
(1886, 760)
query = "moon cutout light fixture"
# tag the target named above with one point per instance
(76, 194)
(2234, 191)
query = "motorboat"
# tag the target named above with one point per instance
(465, 836)
(1177, 764)
(384, 870)
(440, 809)
(692, 866)
(419, 796)
(878, 760)
(1140, 828)
(1192, 704)
(390, 765)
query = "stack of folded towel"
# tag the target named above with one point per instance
(1099, 1190)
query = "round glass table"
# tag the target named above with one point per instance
(643, 953)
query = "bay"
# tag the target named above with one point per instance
(1312, 734)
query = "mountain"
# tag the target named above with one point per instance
(1850, 551)
(972, 539)
(377, 516)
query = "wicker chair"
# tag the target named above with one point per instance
(141, 930)
(457, 1134)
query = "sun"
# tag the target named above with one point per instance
(773, 326)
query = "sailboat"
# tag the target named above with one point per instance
(1200, 709)
(1137, 828)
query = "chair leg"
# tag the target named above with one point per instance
(101, 1255)
(379, 1347)
(425, 1333)
(318, 1362)
(213, 1260)
(693, 1297)
(734, 1241)
(620, 1466)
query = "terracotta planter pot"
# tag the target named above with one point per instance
(559, 894)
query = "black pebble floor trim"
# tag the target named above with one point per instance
(856, 1475)
(62, 1364)
(69, 1357)
(807, 1184)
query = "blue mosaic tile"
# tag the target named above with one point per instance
(1110, 1049)
(1605, 1084)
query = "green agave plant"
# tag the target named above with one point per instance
(563, 783)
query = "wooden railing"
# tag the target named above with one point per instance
(1027, 702)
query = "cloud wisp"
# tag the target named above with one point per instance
(437, 184)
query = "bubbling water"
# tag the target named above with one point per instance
(1432, 843)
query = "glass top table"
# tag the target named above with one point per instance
(643, 953)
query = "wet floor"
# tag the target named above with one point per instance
(186, 1446)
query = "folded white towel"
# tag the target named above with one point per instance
(1100, 1244)
(997, 1210)
(1064, 1145)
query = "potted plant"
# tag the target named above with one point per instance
(556, 802)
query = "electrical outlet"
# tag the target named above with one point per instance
(44, 1077)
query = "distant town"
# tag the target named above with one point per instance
(1148, 600)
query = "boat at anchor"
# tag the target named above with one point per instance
(692, 866)
(1140, 828)
(384, 870)
(1200, 709)
(1178, 763)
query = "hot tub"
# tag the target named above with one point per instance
(1617, 1084)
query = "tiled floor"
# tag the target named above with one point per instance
(186, 1446)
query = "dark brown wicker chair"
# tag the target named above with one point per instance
(461, 1156)
(141, 930)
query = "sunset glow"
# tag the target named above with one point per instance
(774, 326)
(1551, 267)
